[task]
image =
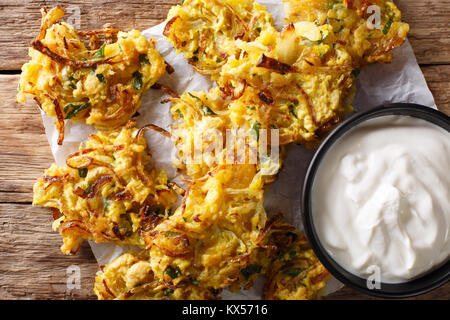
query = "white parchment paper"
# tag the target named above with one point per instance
(400, 81)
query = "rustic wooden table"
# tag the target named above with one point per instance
(31, 265)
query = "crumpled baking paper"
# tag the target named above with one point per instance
(400, 81)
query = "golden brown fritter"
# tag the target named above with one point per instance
(294, 272)
(354, 25)
(101, 86)
(105, 192)
(212, 235)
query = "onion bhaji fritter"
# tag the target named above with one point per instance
(102, 85)
(105, 192)
(214, 232)
(293, 272)
(130, 277)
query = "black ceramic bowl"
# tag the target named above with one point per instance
(425, 283)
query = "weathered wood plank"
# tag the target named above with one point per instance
(25, 152)
(31, 265)
(21, 21)
(428, 20)
(430, 30)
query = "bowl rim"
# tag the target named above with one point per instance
(422, 284)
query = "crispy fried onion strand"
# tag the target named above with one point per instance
(39, 46)
(152, 127)
(165, 89)
(60, 117)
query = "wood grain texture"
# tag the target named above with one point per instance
(430, 28)
(31, 265)
(21, 21)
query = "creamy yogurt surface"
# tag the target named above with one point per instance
(381, 198)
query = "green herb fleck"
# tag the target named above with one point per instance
(106, 204)
(75, 109)
(336, 24)
(324, 36)
(100, 77)
(82, 172)
(193, 280)
(292, 272)
(251, 108)
(256, 127)
(143, 59)
(137, 80)
(292, 110)
(173, 272)
(171, 234)
(180, 114)
(387, 26)
(195, 97)
(250, 270)
(293, 235)
(68, 106)
(100, 53)
(273, 126)
(208, 112)
(168, 291)
(72, 81)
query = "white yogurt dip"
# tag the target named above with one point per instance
(381, 198)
